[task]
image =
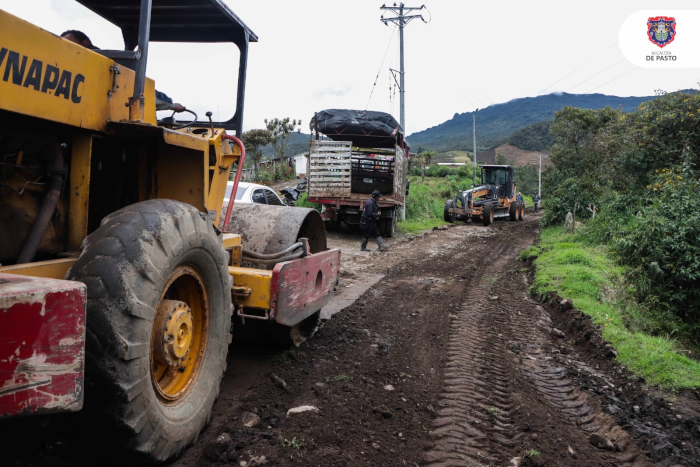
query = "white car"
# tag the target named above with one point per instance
(252, 193)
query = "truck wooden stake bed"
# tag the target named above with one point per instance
(365, 152)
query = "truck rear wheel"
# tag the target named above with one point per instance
(390, 225)
(487, 215)
(514, 211)
(448, 216)
(158, 323)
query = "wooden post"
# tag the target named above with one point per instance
(573, 227)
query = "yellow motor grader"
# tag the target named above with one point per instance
(496, 197)
(114, 280)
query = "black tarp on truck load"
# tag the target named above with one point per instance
(365, 128)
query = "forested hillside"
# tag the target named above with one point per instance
(496, 123)
(638, 172)
(521, 122)
(535, 137)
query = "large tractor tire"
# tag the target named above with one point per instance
(487, 215)
(514, 211)
(447, 215)
(521, 213)
(158, 324)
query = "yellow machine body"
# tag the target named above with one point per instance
(45, 76)
(67, 93)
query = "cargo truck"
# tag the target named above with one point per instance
(352, 153)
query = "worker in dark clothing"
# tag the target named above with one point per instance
(536, 202)
(368, 222)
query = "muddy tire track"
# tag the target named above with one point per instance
(501, 390)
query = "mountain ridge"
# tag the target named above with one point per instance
(496, 123)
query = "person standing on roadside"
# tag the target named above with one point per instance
(368, 222)
(536, 201)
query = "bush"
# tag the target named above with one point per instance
(267, 175)
(662, 247)
(304, 202)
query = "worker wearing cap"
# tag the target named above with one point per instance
(368, 222)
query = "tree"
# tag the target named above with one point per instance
(280, 130)
(253, 140)
(424, 158)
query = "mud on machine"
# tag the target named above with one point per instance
(115, 280)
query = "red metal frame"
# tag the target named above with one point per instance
(302, 287)
(42, 349)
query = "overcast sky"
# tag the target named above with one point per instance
(319, 54)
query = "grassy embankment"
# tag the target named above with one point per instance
(589, 276)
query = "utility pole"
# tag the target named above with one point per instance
(401, 20)
(474, 141)
(539, 181)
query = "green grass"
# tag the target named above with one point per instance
(583, 273)
(425, 204)
(339, 378)
(417, 226)
(304, 202)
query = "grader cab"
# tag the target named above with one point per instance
(496, 197)
(114, 279)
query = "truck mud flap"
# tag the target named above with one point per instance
(302, 287)
(42, 345)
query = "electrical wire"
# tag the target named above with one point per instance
(575, 70)
(614, 79)
(429, 13)
(391, 39)
(591, 77)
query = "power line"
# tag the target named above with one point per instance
(487, 96)
(591, 77)
(575, 70)
(476, 97)
(614, 79)
(391, 39)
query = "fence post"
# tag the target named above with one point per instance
(573, 227)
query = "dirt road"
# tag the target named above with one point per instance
(447, 361)
(444, 361)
